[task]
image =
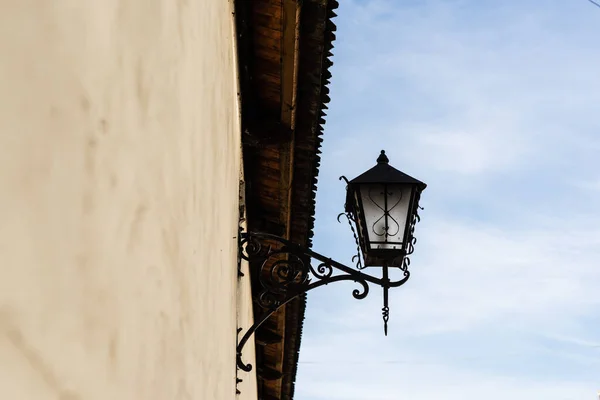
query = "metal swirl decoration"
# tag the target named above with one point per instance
(359, 295)
(404, 266)
(386, 317)
(285, 272)
(356, 259)
(267, 299)
(323, 271)
(250, 247)
(386, 214)
(279, 270)
(410, 241)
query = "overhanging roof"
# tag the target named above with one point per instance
(284, 50)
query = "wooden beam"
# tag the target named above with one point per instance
(265, 337)
(290, 44)
(269, 374)
(289, 88)
(290, 39)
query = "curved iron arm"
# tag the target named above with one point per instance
(286, 273)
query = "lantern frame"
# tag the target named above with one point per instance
(387, 177)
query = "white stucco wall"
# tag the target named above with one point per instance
(119, 170)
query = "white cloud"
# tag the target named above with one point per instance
(494, 104)
(356, 366)
(504, 87)
(440, 382)
(464, 276)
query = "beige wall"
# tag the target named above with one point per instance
(247, 386)
(119, 169)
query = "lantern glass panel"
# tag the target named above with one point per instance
(385, 210)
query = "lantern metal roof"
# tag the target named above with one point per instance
(384, 173)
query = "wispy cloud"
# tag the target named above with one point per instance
(494, 105)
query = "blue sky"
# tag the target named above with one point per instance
(496, 105)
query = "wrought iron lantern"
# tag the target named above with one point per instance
(382, 207)
(383, 202)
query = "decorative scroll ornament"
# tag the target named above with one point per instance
(387, 214)
(356, 259)
(286, 272)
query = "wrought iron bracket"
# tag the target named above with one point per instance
(286, 272)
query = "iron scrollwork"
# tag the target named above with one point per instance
(286, 272)
(356, 259)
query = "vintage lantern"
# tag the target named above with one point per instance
(383, 202)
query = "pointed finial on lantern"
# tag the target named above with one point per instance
(383, 158)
